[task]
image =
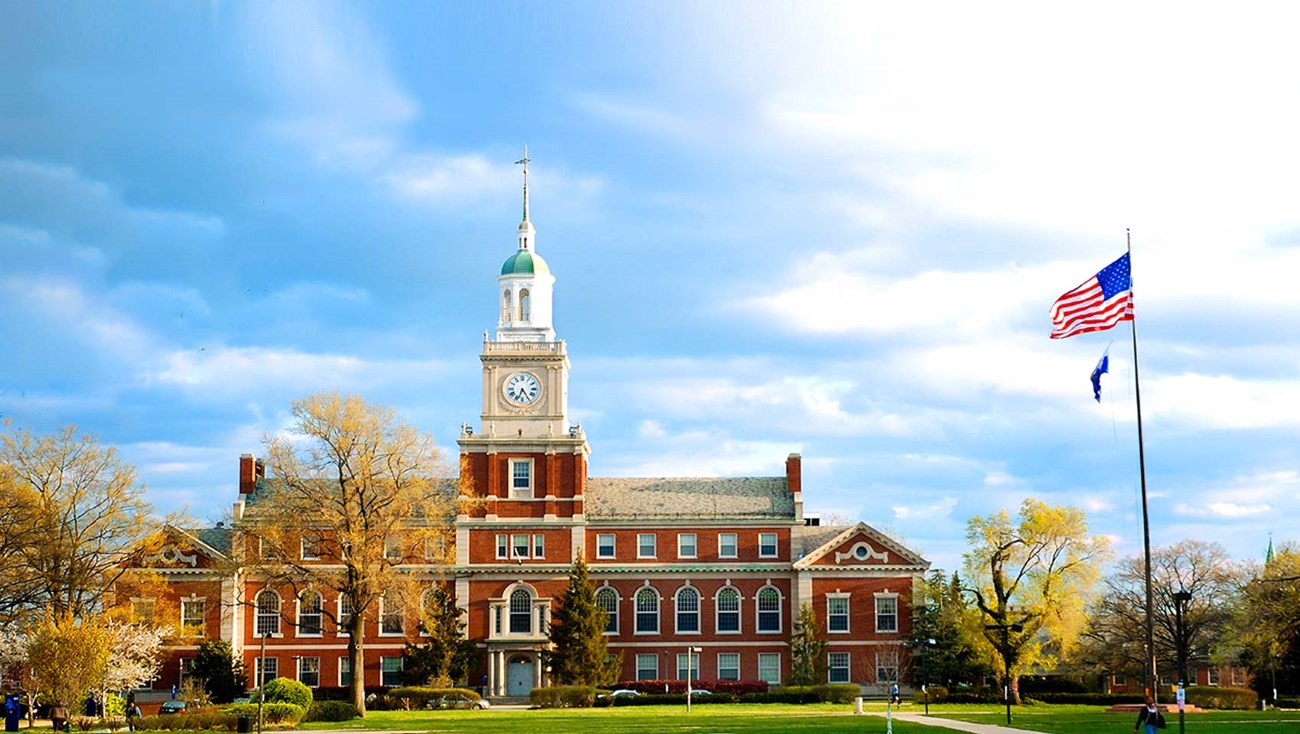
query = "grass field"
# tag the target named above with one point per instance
(788, 719)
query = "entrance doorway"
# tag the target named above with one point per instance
(519, 676)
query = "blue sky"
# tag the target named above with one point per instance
(827, 228)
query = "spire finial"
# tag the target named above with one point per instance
(524, 162)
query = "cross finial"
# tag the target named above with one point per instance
(524, 162)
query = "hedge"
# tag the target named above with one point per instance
(408, 697)
(1218, 697)
(1089, 699)
(272, 713)
(563, 697)
(736, 687)
(331, 711)
(835, 693)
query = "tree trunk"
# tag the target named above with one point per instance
(356, 662)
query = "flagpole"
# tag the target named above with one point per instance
(1142, 473)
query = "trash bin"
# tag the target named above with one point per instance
(244, 724)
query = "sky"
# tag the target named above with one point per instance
(832, 229)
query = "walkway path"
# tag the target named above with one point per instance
(954, 724)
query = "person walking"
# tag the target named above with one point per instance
(1150, 718)
(893, 694)
(58, 716)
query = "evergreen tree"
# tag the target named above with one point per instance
(448, 656)
(942, 651)
(807, 650)
(580, 654)
(222, 676)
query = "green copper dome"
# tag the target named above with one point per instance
(525, 262)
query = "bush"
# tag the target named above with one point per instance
(1053, 684)
(563, 697)
(1288, 703)
(1089, 699)
(197, 721)
(838, 693)
(331, 711)
(1217, 697)
(736, 687)
(285, 690)
(272, 713)
(420, 697)
(985, 695)
(937, 694)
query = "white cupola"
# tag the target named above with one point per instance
(524, 287)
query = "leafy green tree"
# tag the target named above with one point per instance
(1266, 627)
(1031, 580)
(807, 649)
(447, 657)
(941, 646)
(222, 675)
(580, 652)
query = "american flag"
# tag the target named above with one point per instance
(1098, 304)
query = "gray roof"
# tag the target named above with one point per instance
(615, 498)
(812, 537)
(216, 538)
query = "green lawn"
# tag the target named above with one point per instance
(704, 719)
(1061, 719)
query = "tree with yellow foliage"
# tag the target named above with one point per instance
(68, 656)
(1031, 579)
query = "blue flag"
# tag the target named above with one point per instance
(1103, 366)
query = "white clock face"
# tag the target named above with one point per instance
(523, 388)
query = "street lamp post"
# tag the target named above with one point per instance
(1006, 629)
(1181, 600)
(925, 672)
(690, 661)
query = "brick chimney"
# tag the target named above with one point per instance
(793, 473)
(250, 469)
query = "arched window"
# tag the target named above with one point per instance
(647, 610)
(505, 306)
(525, 306)
(268, 613)
(728, 605)
(309, 613)
(521, 612)
(607, 599)
(769, 609)
(688, 610)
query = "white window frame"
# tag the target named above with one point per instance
(725, 663)
(1212, 676)
(606, 592)
(539, 545)
(652, 658)
(640, 547)
(775, 544)
(833, 600)
(600, 545)
(520, 492)
(883, 613)
(300, 627)
(839, 667)
(261, 668)
(343, 616)
(190, 626)
(650, 593)
(305, 665)
(393, 548)
(886, 666)
(759, 611)
(770, 661)
(386, 616)
(520, 545)
(503, 546)
(345, 669)
(679, 599)
(687, 545)
(308, 549)
(683, 660)
(385, 670)
(718, 611)
(513, 615)
(258, 615)
(722, 545)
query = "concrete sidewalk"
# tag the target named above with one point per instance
(954, 724)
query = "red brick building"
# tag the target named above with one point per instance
(721, 564)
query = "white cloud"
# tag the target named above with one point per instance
(942, 508)
(1226, 510)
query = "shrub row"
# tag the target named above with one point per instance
(1216, 697)
(331, 711)
(1090, 699)
(272, 713)
(736, 687)
(668, 699)
(1288, 703)
(835, 693)
(420, 697)
(563, 697)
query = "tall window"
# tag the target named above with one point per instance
(645, 545)
(268, 613)
(837, 612)
(728, 606)
(887, 613)
(728, 666)
(519, 545)
(886, 666)
(521, 612)
(521, 478)
(1213, 677)
(310, 548)
(525, 305)
(192, 616)
(393, 548)
(539, 546)
(726, 545)
(267, 669)
(605, 545)
(309, 613)
(505, 306)
(390, 671)
(607, 599)
(686, 545)
(503, 545)
(345, 614)
(688, 659)
(837, 668)
(647, 610)
(767, 545)
(392, 618)
(647, 667)
(769, 667)
(345, 671)
(769, 609)
(688, 610)
(309, 672)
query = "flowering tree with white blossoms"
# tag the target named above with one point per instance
(134, 655)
